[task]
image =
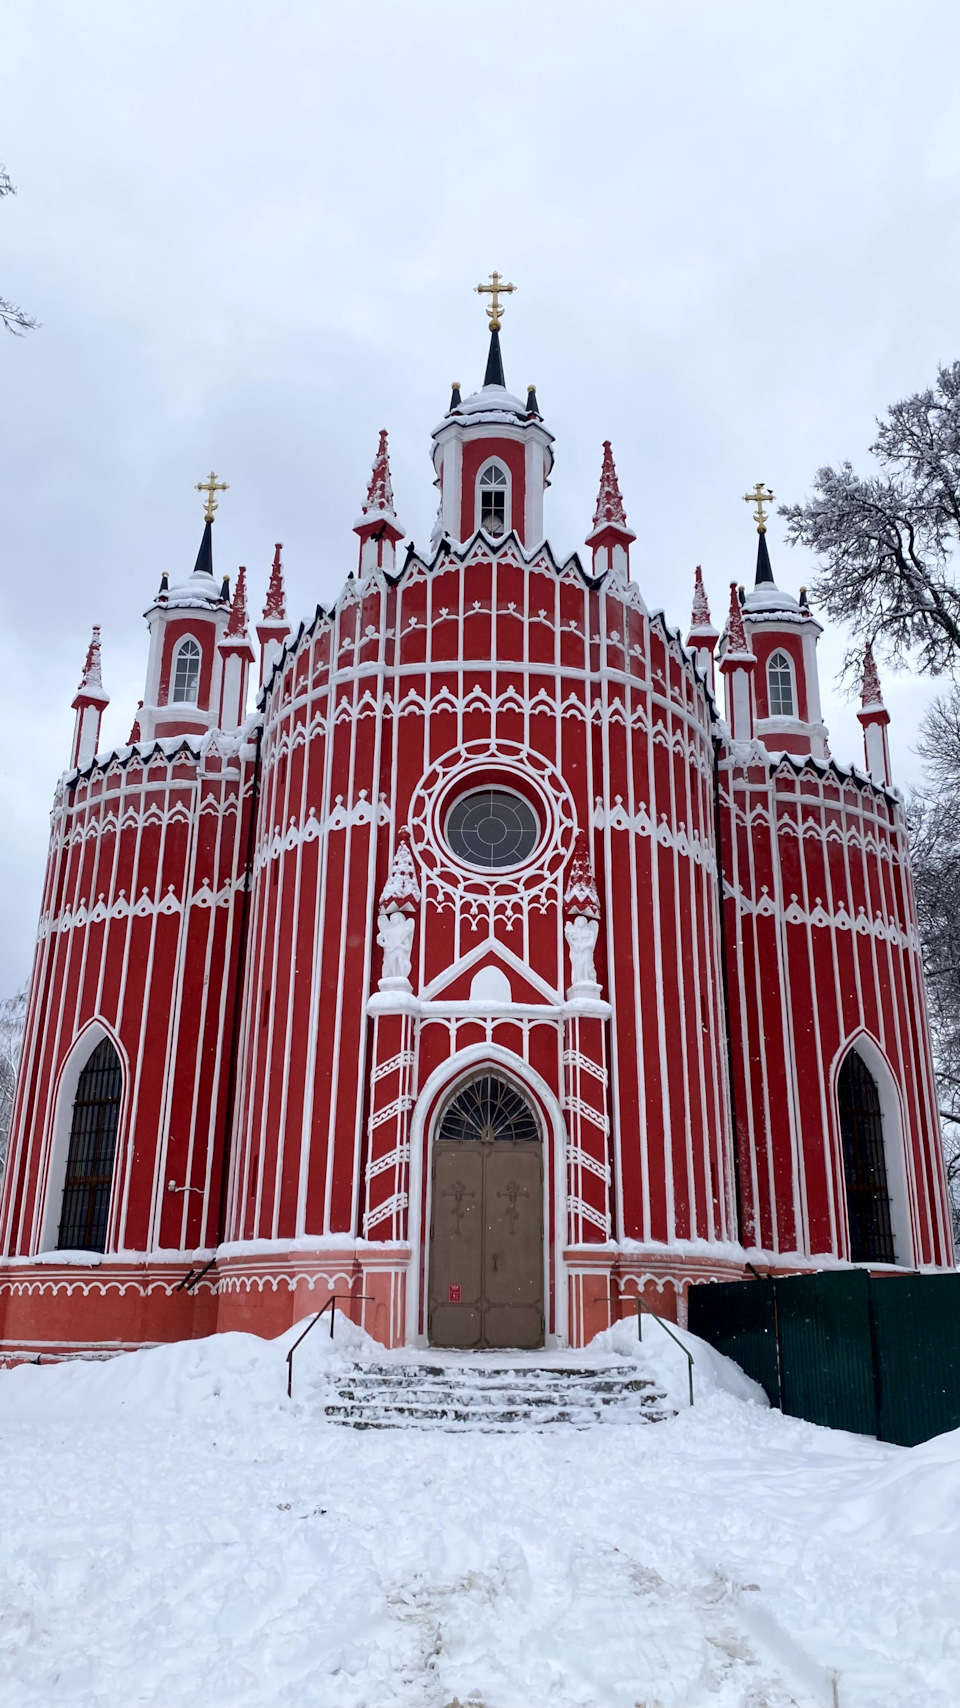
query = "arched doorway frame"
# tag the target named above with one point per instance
(93, 1034)
(899, 1168)
(443, 1080)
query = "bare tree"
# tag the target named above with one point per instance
(934, 818)
(888, 558)
(887, 544)
(13, 1014)
(15, 319)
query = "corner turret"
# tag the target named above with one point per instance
(89, 703)
(738, 664)
(378, 527)
(273, 628)
(237, 655)
(702, 637)
(874, 719)
(611, 539)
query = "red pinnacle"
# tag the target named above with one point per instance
(609, 502)
(276, 605)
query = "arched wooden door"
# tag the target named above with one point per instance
(486, 1224)
(864, 1163)
(93, 1141)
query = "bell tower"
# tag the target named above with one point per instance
(492, 452)
(187, 622)
(783, 634)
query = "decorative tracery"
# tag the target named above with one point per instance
(488, 1109)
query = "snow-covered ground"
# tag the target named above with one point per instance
(175, 1532)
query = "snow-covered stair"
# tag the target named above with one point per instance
(492, 1395)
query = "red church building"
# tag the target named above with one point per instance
(488, 972)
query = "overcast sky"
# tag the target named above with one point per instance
(251, 233)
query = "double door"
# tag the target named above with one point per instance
(486, 1244)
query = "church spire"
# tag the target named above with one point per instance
(204, 563)
(493, 374)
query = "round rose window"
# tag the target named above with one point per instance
(492, 828)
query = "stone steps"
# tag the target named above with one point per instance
(490, 1397)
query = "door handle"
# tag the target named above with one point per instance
(494, 1260)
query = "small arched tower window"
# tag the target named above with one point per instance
(186, 671)
(493, 494)
(864, 1163)
(93, 1141)
(780, 686)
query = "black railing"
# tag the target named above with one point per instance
(623, 1299)
(193, 1276)
(331, 1306)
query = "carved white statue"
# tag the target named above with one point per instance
(581, 935)
(395, 938)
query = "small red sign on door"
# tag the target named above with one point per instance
(453, 1293)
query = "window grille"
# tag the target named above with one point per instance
(93, 1140)
(492, 828)
(780, 686)
(186, 677)
(864, 1164)
(493, 500)
(488, 1109)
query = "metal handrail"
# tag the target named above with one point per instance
(194, 1276)
(619, 1298)
(331, 1304)
(641, 1307)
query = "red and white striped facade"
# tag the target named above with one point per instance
(263, 915)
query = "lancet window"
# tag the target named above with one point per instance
(864, 1163)
(186, 671)
(780, 686)
(494, 492)
(93, 1142)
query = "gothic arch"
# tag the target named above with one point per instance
(186, 647)
(441, 1084)
(492, 469)
(781, 674)
(93, 1034)
(895, 1157)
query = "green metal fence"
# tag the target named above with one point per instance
(879, 1355)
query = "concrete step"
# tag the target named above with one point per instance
(492, 1397)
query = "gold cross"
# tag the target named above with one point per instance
(760, 496)
(210, 486)
(494, 291)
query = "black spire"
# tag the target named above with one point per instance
(533, 407)
(454, 396)
(494, 373)
(204, 563)
(764, 571)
